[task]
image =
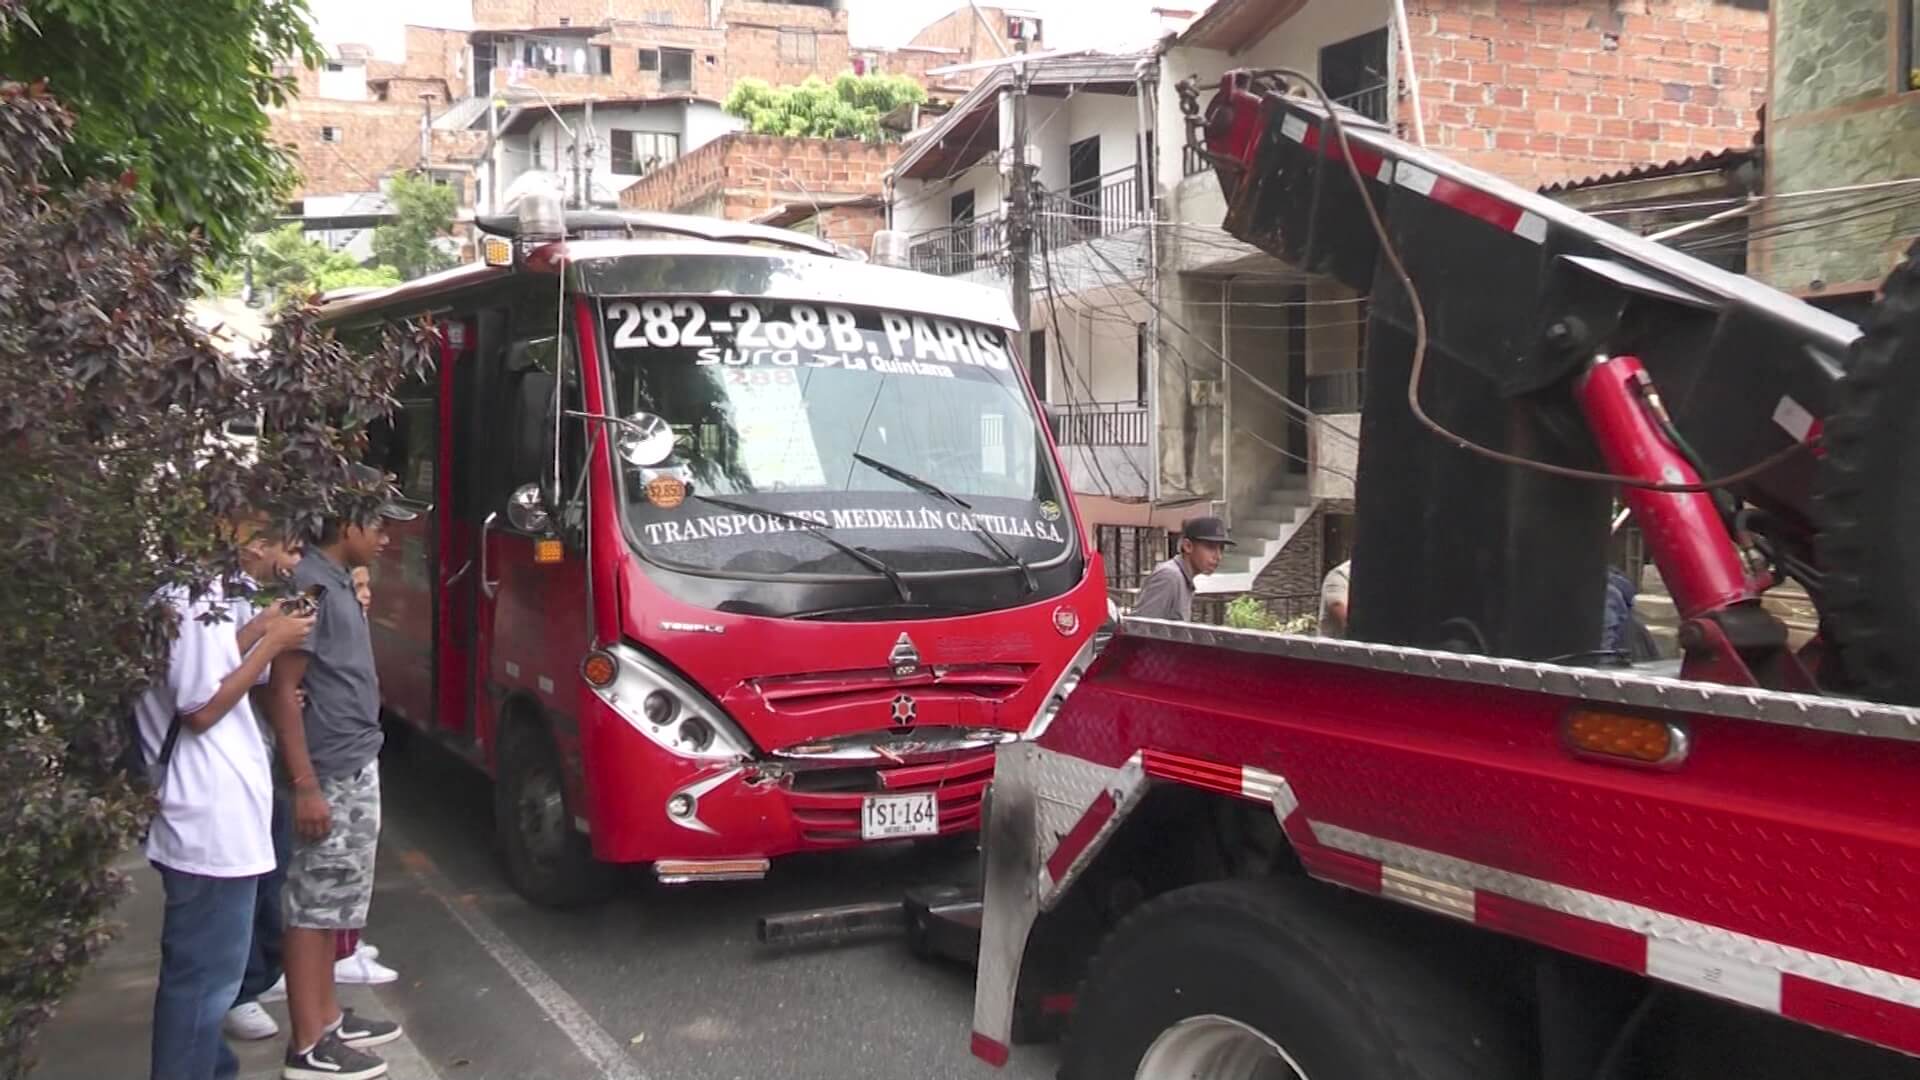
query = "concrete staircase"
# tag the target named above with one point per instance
(1788, 601)
(1259, 535)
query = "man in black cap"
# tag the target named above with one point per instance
(1168, 591)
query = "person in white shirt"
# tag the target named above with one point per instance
(211, 837)
(1333, 600)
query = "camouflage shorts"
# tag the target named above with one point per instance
(330, 883)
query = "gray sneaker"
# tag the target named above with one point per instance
(331, 1059)
(361, 1033)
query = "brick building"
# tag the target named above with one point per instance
(1541, 92)
(1534, 91)
(829, 187)
(963, 36)
(358, 117)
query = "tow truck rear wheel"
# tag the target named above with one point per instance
(1869, 544)
(549, 861)
(1285, 980)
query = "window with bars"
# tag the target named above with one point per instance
(637, 153)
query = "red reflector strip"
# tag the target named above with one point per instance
(1888, 1023)
(1056, 1004)
(1194, 772)
(1078, 837)
(1369, 160)
(991, 1051)
(1473, 202)
(1582, 937)
(1839, 995)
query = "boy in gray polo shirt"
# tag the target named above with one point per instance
(331, 751)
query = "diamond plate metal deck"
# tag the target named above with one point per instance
(1840, 715)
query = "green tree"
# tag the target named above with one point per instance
(424, 213)
(288, 264)
(173, 95)
(850, 107)
(112, 487)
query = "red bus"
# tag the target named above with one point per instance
(731, 545)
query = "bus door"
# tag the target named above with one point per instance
(406, 444)
(459, 528)
(533, 618)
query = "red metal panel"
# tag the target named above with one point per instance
(1804, 838)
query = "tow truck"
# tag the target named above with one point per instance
(1462, 844)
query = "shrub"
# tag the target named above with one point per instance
(113, 477)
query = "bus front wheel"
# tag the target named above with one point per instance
(549, 861)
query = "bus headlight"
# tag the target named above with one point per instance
(660, 707)
(670, 712)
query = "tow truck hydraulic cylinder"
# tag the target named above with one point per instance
(1684, 532)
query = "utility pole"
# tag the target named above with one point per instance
(586, 183)
(1020, 207)
(493, 145)
(426, 131)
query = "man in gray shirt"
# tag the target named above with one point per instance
(331, 750)
(1168, 591)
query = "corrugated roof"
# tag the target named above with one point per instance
(1713, 161)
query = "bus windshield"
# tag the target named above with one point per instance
(903, 435)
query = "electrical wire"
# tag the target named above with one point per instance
(1420, 342)
(1183, 328)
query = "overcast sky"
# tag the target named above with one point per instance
(1069, 23)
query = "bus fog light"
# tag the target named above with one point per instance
(680, 806)
(695, 734)
(660, 707)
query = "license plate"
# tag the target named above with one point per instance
(883, 816)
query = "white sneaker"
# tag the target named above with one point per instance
(276, 992)
(372, 952)
(249, 1023)
(363, 970)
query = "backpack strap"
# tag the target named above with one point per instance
(166, 750)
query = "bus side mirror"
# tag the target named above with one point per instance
(532, 434)
(527, 510)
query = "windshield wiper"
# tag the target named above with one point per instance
(819, 532)
(938, 492)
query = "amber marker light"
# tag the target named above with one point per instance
(1624, 738)
(548, 550)
(599, 669)
(497, 251)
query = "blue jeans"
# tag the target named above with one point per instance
(203, 956)
(269, 924)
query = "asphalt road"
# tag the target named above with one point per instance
(659, 983)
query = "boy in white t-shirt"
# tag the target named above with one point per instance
(211, 839)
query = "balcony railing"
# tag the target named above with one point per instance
(1110, 205)
(1193, 161)
(959, 249)
(1370, 103)
(1336, 391)
(1099, 423)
